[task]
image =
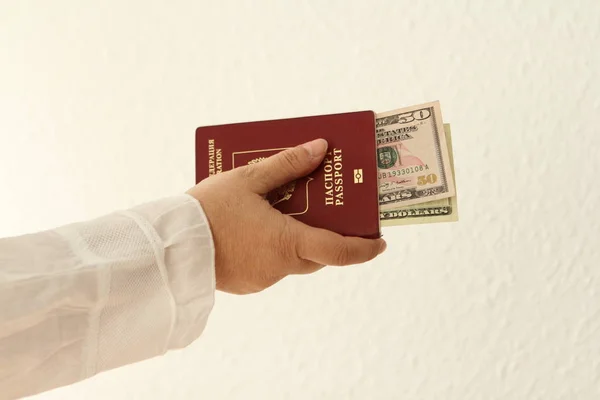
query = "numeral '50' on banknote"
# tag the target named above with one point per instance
(443, 210)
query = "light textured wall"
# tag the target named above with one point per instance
(98, 106)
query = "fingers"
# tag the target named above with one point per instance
(283, 167)
(306, 267)
(328, 248)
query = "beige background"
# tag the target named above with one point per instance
(98, 106)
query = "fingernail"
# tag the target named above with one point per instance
(383, 246)
(316, 148)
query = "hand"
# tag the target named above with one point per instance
(255, 244)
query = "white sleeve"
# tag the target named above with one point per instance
(93, 296)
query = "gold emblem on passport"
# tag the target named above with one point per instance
(283, 193)
(259, 159)
(291, 198)
(358, 176)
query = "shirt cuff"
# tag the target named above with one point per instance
(182, 234)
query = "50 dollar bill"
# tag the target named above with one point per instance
(444, 210)
(412, 157)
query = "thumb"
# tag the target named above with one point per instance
(284, 167)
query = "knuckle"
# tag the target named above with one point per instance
(252, 173)
(287, 243)
(291, 159)
(341, 253)
(248, 172)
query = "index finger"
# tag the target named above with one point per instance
(329, 248)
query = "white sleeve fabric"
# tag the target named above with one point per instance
(93, 296)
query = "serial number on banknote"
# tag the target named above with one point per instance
(403, 171)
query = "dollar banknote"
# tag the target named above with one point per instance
(412, 157)
(443, 210)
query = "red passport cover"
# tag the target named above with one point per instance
(341, 195)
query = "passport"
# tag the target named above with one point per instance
(341, 195)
